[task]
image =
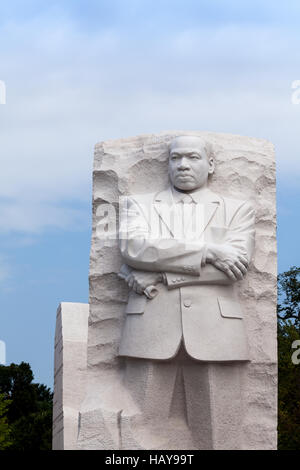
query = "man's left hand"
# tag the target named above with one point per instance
(140, 280)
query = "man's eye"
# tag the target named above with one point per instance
(194, 157)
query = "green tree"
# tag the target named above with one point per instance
(289, 295)
(5, 432)
(288, 373)
(29, 414)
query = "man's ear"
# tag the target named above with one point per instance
(211, 166)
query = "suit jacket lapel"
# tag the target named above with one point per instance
(163, 202)
(210, 210)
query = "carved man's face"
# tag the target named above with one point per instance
(189, 165)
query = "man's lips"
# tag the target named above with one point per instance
(184, 176)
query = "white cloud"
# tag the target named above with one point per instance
(68, 88)
(34, 217)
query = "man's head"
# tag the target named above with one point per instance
(190, 163)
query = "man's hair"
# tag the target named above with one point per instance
(207, 146)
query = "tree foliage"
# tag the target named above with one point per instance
(5, 432)
(288, 373)
(289, 296)
(28, 409)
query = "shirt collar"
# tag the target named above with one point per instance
(197, 196)
(170, 195)
(179, 196)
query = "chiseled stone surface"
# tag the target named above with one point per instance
(245, 169)
(69, 372)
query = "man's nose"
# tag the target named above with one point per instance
(183, 164)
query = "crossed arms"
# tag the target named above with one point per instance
(153, 260)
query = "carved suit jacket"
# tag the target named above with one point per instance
(197, 304)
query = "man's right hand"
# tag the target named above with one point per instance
(227, 259)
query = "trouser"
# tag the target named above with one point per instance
(204, 397)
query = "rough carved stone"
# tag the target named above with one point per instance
(110, 414)
(70, 372)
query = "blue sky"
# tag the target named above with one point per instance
(81, 71)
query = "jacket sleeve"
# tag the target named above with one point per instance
(239, 233)
(241, 230)
(141, 249)
(209, 276)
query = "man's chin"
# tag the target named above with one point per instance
(185, 186)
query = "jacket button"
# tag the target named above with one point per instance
(187, 303)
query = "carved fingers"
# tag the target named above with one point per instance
(227, 259)
(225, 268)
(138, 281)
(234, 272)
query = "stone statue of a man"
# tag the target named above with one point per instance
(184, 249)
